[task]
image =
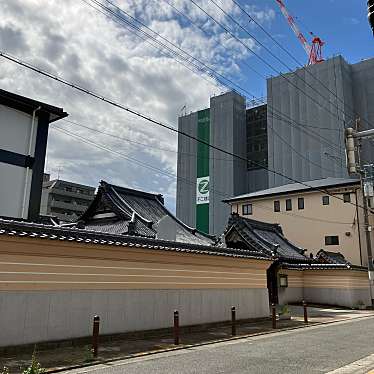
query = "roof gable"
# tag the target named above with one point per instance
(137, 213)
(262, 237)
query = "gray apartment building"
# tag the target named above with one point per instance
(65, 200)
(306, 124)
(299, 133)
(205, 175)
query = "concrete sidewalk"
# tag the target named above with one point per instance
(70, 356)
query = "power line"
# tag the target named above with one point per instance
(295, 59)
(211, 72)
(145, 145)
(272, 54)
(206, 33)
(244, 62)
(157, 170)
(156, 122)
(169, 53)
(300, 154)
(206, 68)
(194, 155)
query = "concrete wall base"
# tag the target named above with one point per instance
(41, 316)
(337, 296)
(290, 295)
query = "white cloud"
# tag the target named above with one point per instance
(73, 40)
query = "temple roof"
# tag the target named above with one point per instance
(67, 233)
(119, 210)
(263, 237)
(268, 239)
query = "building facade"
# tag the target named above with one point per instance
(328, 215)
(24, 132)
(65, 200)
(206, 176)
(298, 135)
(308, 111)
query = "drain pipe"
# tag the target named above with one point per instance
(24, 215)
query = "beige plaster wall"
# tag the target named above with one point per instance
(307, 228)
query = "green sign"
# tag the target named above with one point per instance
(202, 182)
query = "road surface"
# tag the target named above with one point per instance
(317, 349)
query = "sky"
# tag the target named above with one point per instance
(79, 43)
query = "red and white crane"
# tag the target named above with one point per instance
(313, 51)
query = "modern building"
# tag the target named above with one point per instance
(207, 176)
(24, 126)
(65, 200)
(327, 215)
(298, 135)
(308, 111)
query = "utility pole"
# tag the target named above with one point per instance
(366, 173)
(371, 14)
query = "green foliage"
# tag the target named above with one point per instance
(88, 357)
(4, 370)
(285, 309)
(35, 367)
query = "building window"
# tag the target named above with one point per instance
(277, 207)
(332, 240)
(326, 200)
(288, 204)
(347, 197)
(247, 209)
(69, 189)
(300, 203)
(283, 280)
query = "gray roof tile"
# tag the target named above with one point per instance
(318, 184)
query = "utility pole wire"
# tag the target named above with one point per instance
(304, 68)
(155, 122)
(276, 57)
(211, 71)
(171, 175)
(244, 62)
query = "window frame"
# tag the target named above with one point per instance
(283, 280)
(323, 200)
(248, 212)
(300, 206)
(277, 206)
(347, 194)
(288, 205)
(330, 237)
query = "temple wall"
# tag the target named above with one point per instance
(51, 289)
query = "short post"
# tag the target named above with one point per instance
(176, 327)
(273, 316)
(233, 321)
(305, 312)
(95, 335)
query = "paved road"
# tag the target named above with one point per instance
(317, 349)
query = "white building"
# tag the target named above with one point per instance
(23, 141)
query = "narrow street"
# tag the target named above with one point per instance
(318, 349)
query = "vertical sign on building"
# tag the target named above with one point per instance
(202, 182)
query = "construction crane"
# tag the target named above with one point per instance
(313, 51)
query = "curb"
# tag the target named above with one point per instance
(187, 346)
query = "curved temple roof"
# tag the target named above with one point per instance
(120, 210)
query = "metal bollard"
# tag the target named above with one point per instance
(305, 312)
(273, 316)
(233, 321)
(176, 327)
(95, 335)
